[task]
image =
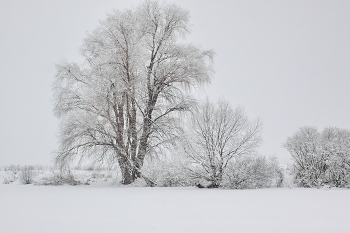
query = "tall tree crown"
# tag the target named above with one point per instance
(121, 103)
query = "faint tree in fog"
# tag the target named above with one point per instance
(217, 134)
(122, 103)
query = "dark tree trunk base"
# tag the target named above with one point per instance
(199, 186)
(209, 186)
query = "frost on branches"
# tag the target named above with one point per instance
(121, 104)
(320, 158)
(218, 134)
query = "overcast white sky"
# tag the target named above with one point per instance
(287, 62)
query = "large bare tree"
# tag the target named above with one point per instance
(217, 135)
(122, 103)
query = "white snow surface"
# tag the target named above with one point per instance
(35, 209)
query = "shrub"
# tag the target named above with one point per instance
(10, 176)
(27, 175)
(253, 172)
(320, 158)
(167, 173)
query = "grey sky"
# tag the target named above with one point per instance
(287, 62)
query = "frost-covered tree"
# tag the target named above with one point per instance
(335, 148)
(216, 135)
(320, 158)
(121, 104)
(304, 147)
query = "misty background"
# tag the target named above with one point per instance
(286, 62)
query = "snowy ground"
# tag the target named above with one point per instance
(94, 208)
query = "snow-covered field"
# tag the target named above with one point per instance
(96, 208)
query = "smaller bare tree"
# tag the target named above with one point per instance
(217, 134)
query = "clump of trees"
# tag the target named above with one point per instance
(320, 158)
(125, 103)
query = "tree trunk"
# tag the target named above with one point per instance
(216, 177)
(127, 170)
(146, 131)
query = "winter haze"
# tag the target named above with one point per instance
(286, 62)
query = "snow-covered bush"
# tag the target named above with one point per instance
(9, 177)
(167, 173)
(320, 158)
(253, 172)
(27, 174)
(244, 172)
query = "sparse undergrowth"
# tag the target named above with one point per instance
(40, 175)
(58, 178)
(243, 174)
